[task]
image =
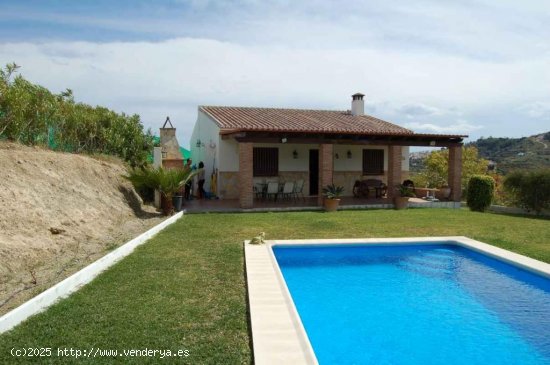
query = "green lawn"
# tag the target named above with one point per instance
(185, 289)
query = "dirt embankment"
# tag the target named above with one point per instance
(58, 213)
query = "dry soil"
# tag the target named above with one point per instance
(58, 213)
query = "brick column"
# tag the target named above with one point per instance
(394, 169)
(455, 173)
(325, 169)
(246, 193)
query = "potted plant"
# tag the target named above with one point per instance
(167, 181)
(332, 195)
(402, 200)
(445, 191)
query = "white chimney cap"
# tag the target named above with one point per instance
(357, 104)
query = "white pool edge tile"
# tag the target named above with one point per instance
(278, 335)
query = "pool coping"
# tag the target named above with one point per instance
(278, 335)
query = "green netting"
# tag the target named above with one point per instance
(51, 138)
(52, 143)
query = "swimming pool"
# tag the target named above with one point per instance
(416, 303)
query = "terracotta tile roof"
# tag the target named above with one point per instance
(239, 119)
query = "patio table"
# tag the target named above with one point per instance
(430, 193)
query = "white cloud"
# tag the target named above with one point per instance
(537, 109)
(173, 77)
(458, 127)
(415, 110)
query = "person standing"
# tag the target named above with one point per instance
(201, 180)
(189, 183)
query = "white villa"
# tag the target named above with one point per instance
(246, 145)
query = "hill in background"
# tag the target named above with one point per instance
(526, 153)
(509, 154)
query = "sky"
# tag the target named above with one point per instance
(475, 67)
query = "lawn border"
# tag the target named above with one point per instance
(74, 282)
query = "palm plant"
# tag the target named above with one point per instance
(406, 191)
(166, 181)
(333, 191)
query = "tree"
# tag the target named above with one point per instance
(436, 168)
(530, 189)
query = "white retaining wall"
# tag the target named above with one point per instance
(77, 280)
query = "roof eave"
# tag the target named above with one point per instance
(389, 134)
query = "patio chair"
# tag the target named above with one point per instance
(259, 191)
(272, 190)
(288, 190)
(299, 189)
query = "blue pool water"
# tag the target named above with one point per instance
(417, 304)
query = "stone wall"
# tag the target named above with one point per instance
(175, 163)
(228, 181)
(347, 179)
(228, 184)
(295, 176)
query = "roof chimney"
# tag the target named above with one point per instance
(357, 104)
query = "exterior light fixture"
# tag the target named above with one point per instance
(432, 143)
(283, 140)
(295, 154)
(349, 154)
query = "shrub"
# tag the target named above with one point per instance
(530, 190)
(32, 115)
(167, 181)
(480, 192)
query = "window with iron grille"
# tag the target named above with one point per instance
(265, 161)
(373, 162)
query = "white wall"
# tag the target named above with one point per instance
(405, 158)
(209, 133)
(343, 163)
(355, 163)
(229, 155)
(287, 162)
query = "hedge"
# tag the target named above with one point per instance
(529, 190)
(32, 115)
(480, 192)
